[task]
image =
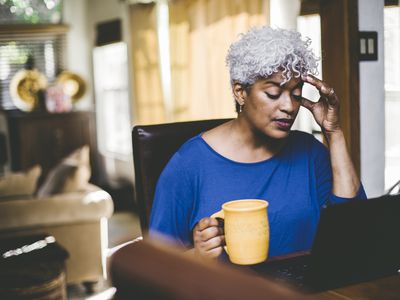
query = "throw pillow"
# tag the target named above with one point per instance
(72, 174)
(20, 183)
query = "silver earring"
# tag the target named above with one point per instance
(240, 108)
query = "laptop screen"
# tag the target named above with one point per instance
(357, 241)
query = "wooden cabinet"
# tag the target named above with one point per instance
(43, 138)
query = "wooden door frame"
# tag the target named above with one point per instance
(340, 65)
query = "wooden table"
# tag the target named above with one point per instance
(387, 288)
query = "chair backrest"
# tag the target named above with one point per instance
(153, 146)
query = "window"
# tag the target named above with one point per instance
(392, 94)
(112, 99)
(310, 26)
(45, 48)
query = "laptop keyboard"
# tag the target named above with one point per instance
(291, 271)
(295, 272)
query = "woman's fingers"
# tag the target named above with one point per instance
(207, 228)
(208, 239)
(324, 89)
(215, 252)
(209, 233)
(215, 242)
(307, 103)
(206, 222)
(319, 84)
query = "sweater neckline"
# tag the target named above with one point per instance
(265, 161)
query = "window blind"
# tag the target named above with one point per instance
(46, 48)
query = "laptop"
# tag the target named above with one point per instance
(355, 242)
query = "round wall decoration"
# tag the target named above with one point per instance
(73, 85)
(25, 87)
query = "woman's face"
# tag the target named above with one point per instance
(271, 108)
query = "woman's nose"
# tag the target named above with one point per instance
(287, 103)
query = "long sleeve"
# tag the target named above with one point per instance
(172, 206)
(323, 172)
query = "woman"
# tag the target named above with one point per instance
(257, 155)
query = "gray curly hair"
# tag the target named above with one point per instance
(263, 51)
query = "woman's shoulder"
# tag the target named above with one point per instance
(191, 146)
(185, 157)
(190, 151)
(202, 146)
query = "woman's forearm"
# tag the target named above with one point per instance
(345, 180)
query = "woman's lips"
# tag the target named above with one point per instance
(284, 124)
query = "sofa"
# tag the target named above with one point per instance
(77, 220)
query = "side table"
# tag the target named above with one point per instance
(32, 267)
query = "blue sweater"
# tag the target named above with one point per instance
(296, 182)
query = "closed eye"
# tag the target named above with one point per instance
(297, 97)
(271, 96)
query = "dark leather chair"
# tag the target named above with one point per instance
(153, 146)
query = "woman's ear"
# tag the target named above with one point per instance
(239, 93)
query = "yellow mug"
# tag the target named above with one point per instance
(246, 230)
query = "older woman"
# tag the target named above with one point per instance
(257, 155)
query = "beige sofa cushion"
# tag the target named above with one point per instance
(72, 174)
(79, 207)
(20, 183)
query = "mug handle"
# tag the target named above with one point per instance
(220, 214)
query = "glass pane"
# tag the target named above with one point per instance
(112, 99)
(392, 95)
(310, 26)
(30, 11)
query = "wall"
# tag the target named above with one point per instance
(82, 16)
(78, 55)
(100, 11)
(372, 102)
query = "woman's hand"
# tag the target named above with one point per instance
(326, 113)
(326, 110)
(208, 238)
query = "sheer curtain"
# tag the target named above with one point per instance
(200, 32)
(146, 80)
